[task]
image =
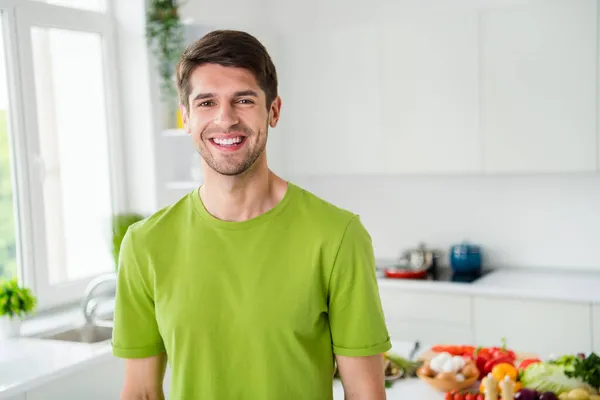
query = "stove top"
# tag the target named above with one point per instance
(448, 275)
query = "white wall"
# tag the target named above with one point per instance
(520, 221)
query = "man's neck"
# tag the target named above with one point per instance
(243, 197)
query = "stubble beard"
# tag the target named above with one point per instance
(227, 166)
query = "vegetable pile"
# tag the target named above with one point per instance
(587, 369)
(569, 377)
(449, 368)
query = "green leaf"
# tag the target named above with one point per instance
(15, 300)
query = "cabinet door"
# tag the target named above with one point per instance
(427, 317)
(17, 397)
(404, 330)
(596, 327)
(539, 81)
(330, 118)
(100, 381)
(541, 327)
(430, 94)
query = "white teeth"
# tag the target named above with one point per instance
(226, 142)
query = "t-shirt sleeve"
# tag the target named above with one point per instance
(356, 316)
(135, 332)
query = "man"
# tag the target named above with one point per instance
(251, 286)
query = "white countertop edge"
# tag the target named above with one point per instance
(34, 382)
(484, 287)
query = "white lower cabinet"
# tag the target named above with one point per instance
(100, 381)
(542, 327)
(452, 309)
(428, 332)
(17, 397)
(532, 326)
(426, 316)
(596, 327)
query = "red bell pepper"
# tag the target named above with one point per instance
(480, 362)
(489, 365)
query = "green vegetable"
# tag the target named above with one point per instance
(588, 370)
(546, 377)
(567, 361)
(409, 367)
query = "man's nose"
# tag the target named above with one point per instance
(226, 116)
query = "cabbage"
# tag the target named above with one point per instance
(545, 377)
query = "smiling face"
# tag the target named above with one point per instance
(228, 118)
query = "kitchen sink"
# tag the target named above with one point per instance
(89, 333)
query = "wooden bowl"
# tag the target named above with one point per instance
(444, 385)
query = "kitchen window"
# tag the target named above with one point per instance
(8, 238)
(59, 147)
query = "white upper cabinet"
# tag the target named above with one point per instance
(430, 93)
(331, 118)
(538, 87)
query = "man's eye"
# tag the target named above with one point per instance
(206, 104)
(245, 101)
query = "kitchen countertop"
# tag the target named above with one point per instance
(535, 284)
(26, 363)
(29, 362)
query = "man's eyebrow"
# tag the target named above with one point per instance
(246, 93)
(240, 93)
(201, 96)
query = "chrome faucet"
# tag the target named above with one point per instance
(90, 301)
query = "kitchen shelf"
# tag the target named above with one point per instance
(182, 185)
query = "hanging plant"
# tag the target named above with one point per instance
(165, 37)
(120, 225)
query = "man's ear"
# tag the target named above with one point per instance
(275, 112)
(185, 118)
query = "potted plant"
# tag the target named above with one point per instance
(120, 224)
(15, 303)
(166, 39)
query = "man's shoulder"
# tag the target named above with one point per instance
(323, 212)
(163, 221)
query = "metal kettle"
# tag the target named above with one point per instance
(419, 258)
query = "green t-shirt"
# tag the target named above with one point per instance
(249, 310)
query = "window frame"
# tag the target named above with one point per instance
(19, 17)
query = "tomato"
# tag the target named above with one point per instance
(480, 397)
(454, 350)
(458, 396)
(449, 396)
(470, 396)
(527, 362)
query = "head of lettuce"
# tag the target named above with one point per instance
(547, 377)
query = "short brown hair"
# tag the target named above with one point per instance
(229, 48)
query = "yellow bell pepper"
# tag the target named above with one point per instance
(505, 369)
(518, 386)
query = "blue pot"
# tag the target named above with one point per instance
(465, 258)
